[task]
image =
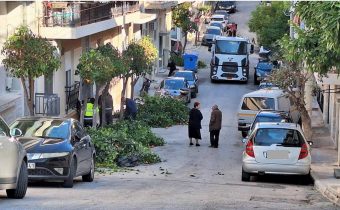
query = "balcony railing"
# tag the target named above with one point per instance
(72, 94)
(47, 104)
(69, 14)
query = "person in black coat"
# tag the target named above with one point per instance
(195, 118)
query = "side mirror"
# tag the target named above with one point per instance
(16, 132)
(310, 143)
(251, 49)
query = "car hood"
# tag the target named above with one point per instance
(209, 36)
(45, 145)
(191, 82)
(172, 92)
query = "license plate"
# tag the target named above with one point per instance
(229, 78)
(31, 166)
(277, 154)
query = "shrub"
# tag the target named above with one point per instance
(125, 141)
(178, 59)
(162, 111)
(201, 64)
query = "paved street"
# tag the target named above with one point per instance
(188, 177)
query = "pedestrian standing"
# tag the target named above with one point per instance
(215, 125)
(172, 67)
(195, 118)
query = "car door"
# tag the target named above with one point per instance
(86, 146)
(79, 145)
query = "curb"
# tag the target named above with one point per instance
(325, 190)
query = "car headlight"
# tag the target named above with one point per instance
(192, 86)
(214, 72)
(36, 156)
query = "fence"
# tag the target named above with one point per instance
(72, 94)
(47, 104)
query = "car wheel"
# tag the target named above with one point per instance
(90, 176)
(68, 183)
(245, 176)
(193, 95)
(20, 191)
(244, 134)
(212, 81)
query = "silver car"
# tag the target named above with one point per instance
(13, 163)
(276, 148)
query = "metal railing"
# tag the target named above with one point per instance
(72, 94)
(47, 104)
(78, 14)
(320, 98)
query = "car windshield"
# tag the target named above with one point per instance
(213, 31)
(217, 19)
(47, 128)
(268, 119)
(258, 103)
(231, 47)
(173, 84)
(216, 24)
(187, 75)
(3, 128)
(264, 66)
(278, 136)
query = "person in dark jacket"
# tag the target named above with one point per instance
(195, 118)
(215, 125)
(131, 108)
(172, 68)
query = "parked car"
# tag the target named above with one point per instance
(265, 84)
(216, 24)
(229, 6)
(176, 87)
(57, 149)
(192, 79)
(209, 35)
(276, 148)
(13, 163)
(262, 70)
(270, 116)
(222, 12)
(220, 18)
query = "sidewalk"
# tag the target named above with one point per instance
(324, 160)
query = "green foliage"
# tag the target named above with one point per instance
(28, 55)
(150, 51)
(95, 67)
(319, 43)
(178, 59)
(162, 111)
(118, 65)
(124, 139)
(204, 9)
(181, 17)
(201, 64)
(269, 22)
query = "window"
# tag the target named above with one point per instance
(174, 84)
(213, 31)
(231, 47)
(68, 78)
(281, 136)
(258, 103)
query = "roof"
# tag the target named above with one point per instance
(185, 71)
(230, 38)
(278, 125)
(174, 78)
(272, 113)
(217, 16)
(265, 92)
(43, 118)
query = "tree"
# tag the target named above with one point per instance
(181, 17)
(139, 57)
(269, 22)
(320, 39)
(28, 56)
(95, 68)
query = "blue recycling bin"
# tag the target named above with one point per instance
(190, 61)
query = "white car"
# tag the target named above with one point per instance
(276, 148)
(220, 18)
(13, 162)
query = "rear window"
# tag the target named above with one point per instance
(279, 136)
(217, 19)
(258, 103)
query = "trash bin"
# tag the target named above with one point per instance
(190, 61)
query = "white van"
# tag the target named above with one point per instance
(263, 99)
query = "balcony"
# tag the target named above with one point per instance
(159, 4)
(73, 20)
(47, 104)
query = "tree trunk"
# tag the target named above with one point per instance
(95, 114)
(31, 96)
(306, 124)
(185, 41)
(133, 84)
(121, 114)
(103, 105)
(23, 82)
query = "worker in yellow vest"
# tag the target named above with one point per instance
(88, 116)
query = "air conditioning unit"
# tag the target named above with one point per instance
(9, 82)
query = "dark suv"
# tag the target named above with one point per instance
(229, 6)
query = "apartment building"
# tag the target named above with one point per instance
(74, 28)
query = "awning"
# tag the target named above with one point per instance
(145, 18)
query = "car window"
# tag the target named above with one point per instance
(258, 103)
(47, 128)
(78, 131)
(217, 19)
(279, 136)
(216, 24)
(187, 75)
(3, 128)
(213, 31)
(231, 47)
(174, 84)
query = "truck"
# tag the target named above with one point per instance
(230, 58)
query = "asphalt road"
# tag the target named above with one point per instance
(189, 177)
